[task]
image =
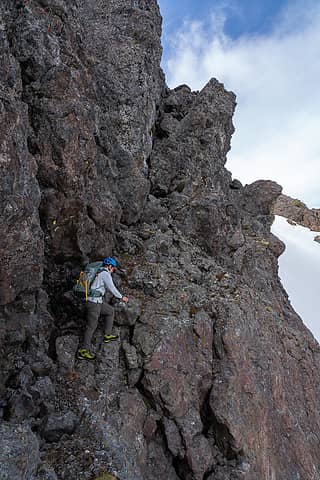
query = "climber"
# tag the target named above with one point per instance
(96, 306)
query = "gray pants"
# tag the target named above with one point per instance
(94, 310)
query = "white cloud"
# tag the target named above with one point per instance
(276, 79)
(299, 270)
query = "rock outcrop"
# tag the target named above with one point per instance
(215, 376)
(297, 212)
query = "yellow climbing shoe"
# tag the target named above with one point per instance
(84, 354)
(110, 338)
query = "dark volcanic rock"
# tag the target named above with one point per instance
(56, 425)
(127, 314)
(66, 348)
(19, 453)
(214, 375)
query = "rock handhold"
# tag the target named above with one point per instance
(46, 473)
(235, 184)
(42, 366)
(22, 406)
(130, 355)
(127, 313)
(236, 240)
(57, 425)
(66, 348)
(173, 437)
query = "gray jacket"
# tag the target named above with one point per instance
(103, 282)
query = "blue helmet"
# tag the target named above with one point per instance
(110, 261)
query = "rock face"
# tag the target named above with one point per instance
(298, 212)
(215, 376)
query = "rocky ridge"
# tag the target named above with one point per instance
(215, 376)
(297, 212)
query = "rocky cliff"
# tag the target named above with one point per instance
(215, 376)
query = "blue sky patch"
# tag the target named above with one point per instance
(243, 17)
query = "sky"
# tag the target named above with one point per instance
(299, 271)
(268, 53)
(252, 16)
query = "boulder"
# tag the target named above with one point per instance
(19, 452)
(22, 405)
(57, 425)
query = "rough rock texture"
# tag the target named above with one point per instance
(19, 455)
(215, 376)
(297, 212)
